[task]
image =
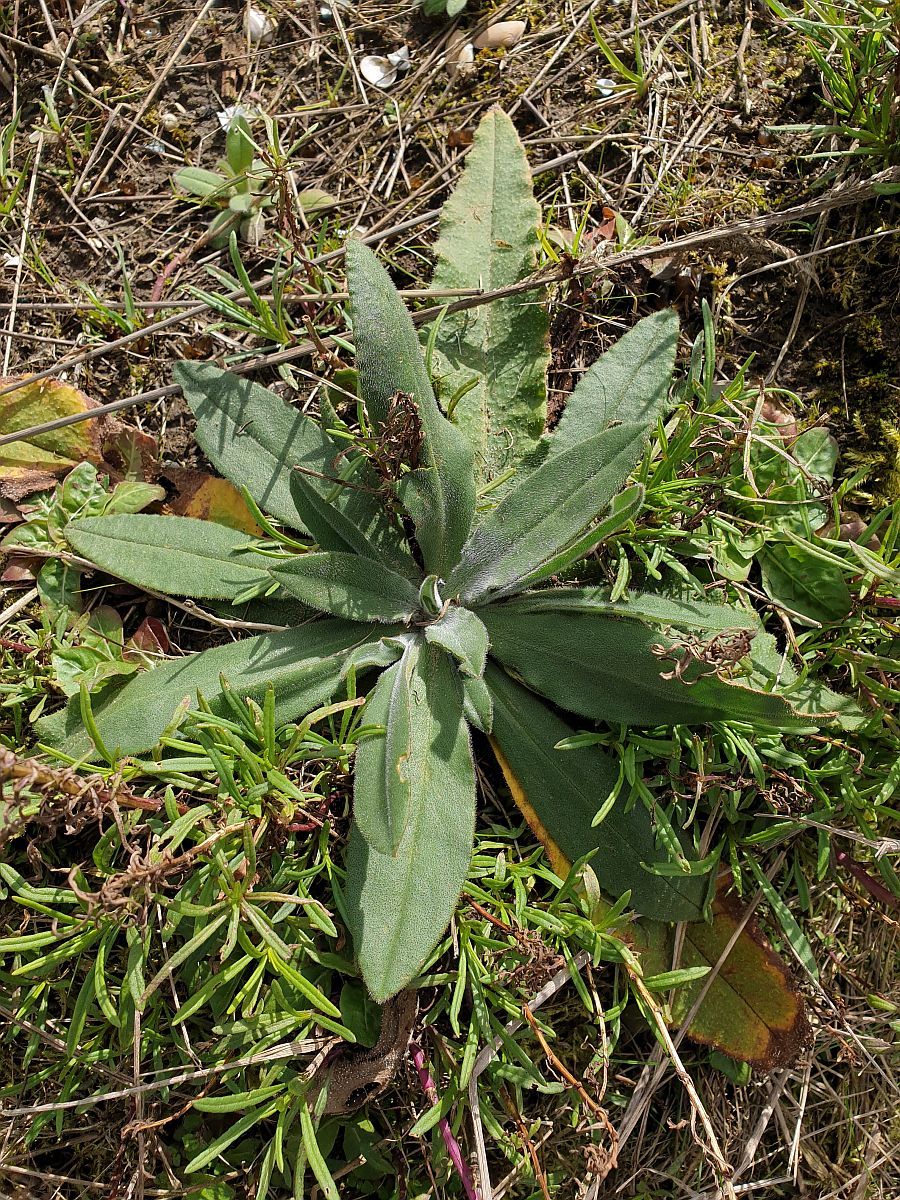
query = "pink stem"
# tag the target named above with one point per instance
(456, 1154)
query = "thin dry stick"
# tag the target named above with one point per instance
(151, 96)
(597, 1109)
(713, 1147)
(274, 1054)
(851, 194)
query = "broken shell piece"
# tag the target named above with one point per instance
(501, 36)
(460, 56)
(259, 28)
(382, 70)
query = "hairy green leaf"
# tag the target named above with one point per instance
(349, 586)
(400, 905)
(251, 435)
(649, 607)
(621, 510)
(383, 781)
(258, 441)
(180, 556)
(604, 667)
(566, 788)
(477, 703)
(463, 635)
(304, 665)
(488, 239)
(628, 385)
(333, 529)
(544, 514)
(439, 491)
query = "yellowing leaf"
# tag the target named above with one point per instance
(36, 463)
(753, 1010)
(558, 860)
(209, 498)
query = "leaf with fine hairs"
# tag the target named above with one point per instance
(348, 586)
(543, 515)
(400, 906)
(560, 793)
(649, 607)
(439, 491)
(488, 239)
(251, 436)
(179, 556)
(259, 442)
(333, 529)
(305, 666)
(383, 780)
(603, 667)
(628, 385)
(462, 634)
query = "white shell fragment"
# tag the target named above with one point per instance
(503, 35)
(459, 54)
(259, 27)
(381, 70)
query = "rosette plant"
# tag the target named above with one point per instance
(441, 603)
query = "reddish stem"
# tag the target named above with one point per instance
(453, 1149)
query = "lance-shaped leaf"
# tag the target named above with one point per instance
(439, 493)
(488, 239)
(648, 607)
(544, 514)
(622, 509)
(383, 780)
(304, 665)
(463, 635)
(753, 1009)
(399, 906)
(333, 529)
(349, 586)
(261, 443)
(180, 556)
(628, 385)
(251, 436)
(604, 667)
(564, 790)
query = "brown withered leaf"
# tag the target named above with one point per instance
(753, 1010)
(210, 498)
(37, 463)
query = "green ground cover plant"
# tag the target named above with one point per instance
(441, 593)
(205, 922)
